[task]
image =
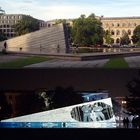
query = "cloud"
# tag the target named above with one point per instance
(27, 1)
(48, 9)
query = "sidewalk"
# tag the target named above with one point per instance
(133, 61)
(8, 58)
(69, 64)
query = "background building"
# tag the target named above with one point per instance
(117, 26)
(6, 23)
(120, 25)
(8, 20)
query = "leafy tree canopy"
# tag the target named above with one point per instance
(60, 21)
(26, 25)
(65, 97)
(125, 40)
(2, 36)
(107, 37)
(133, 105)
(87, 31)
(136, 35)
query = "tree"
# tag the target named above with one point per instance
(133, 105)
(5, 107)
(65, 97)
(107, 37)
(2, 36)
(26, 25)
(87, 31)
(60, 21)
(136, 35)
(29, 103)
(125, 40)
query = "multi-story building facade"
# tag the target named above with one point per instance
(119, 26)
(8, 20)
(6, 23)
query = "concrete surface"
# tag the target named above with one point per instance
(69, 64)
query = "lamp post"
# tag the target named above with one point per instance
(123, 103)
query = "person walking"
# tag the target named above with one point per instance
(5, 45)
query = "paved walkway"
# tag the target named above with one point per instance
(133, 61)
(8, 58)
(69, 64)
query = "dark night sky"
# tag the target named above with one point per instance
(81, 79)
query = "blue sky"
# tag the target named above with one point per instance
(53, 9)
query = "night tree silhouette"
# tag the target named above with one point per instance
(133, 104)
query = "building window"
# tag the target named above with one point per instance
(13, 17)
(113, 41)
(12, 30)
(117, 40)
(4, 17)
(49, 25)
(19, 17)
(8, 30)
(112, 32)
(123, 32)
(118, 32)
(112, 24)
(129, 32)
(135, 24)
(12, 35)
(118, 25)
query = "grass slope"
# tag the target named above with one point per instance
(116, 63)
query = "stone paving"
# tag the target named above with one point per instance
(133, 61)
(70, 64)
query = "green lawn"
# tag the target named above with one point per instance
(116, 63)
(21, 62)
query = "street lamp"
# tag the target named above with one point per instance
(124, 102)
